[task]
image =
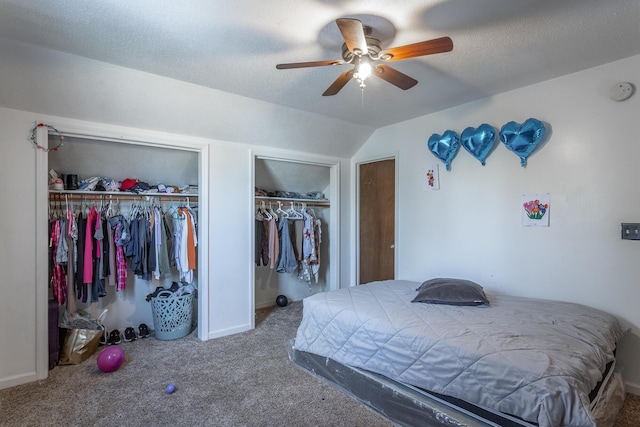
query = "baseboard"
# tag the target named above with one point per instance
(17, 380)
(230, 331)
(260, 305)
(632, 388)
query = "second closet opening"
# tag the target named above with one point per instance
(294, 229)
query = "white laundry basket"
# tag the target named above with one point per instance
(172, 315)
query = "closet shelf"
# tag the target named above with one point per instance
(308, 202)
(125, 194)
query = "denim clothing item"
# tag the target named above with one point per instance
(287, 262)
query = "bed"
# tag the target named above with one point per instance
(536, 362)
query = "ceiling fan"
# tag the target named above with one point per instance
(363, 51)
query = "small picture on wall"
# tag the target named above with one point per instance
(535, 210)
(432, 178)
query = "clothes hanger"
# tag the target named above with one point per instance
(294, 214)
(280, 211)
(60, 212)
(264, 210)
(172, 210)
(258, 214)
(272, 212)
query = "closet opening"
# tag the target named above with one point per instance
(175, 174)
(300, 198)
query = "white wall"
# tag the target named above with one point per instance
(57, 83)
(18, 332)
(471, 227)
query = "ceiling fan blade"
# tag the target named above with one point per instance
(309, 64)
(339, 83)
(429, 47)
(353, 34)
(394, 77)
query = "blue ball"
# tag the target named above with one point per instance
(171, 388)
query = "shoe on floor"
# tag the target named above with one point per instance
(129, 334)
(114, 337)
(143, 330)
(103, 337)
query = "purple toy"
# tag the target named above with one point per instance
(110, 359)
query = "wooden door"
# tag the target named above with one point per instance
(377, 220)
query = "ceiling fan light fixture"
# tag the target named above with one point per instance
(363, 51)
(362, 71)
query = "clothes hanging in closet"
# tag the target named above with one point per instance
(286, 244)
(94, 248)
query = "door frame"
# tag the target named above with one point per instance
(117, 134)
(355, 218)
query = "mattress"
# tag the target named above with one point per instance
(535, 359)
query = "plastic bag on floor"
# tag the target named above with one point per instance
(81, 337)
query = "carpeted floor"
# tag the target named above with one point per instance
(629, 415)
(241, 380)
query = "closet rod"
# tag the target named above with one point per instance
(59, 195)
(309, 202)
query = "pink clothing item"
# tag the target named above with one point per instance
(87, 276)
(58, 278)
(112, 257)
(121, 265)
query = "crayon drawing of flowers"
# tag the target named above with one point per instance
(535, 210)
(432, 180)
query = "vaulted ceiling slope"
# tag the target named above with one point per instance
(233, 47)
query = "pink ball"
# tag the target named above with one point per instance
(110, 359)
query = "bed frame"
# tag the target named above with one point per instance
(407, 405)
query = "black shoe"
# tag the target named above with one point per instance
(129, 334)
(103, 336)
(114, 337)
(143, 330)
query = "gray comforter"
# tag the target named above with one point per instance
(535, 359)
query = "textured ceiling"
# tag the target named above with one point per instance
(234, 46)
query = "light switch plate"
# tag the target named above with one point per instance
(630, 231)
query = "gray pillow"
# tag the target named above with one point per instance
(451, 292)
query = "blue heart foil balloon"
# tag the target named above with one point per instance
(444, 147)
(479, 141)
(523, 138)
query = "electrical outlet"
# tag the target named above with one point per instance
(630, 231)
